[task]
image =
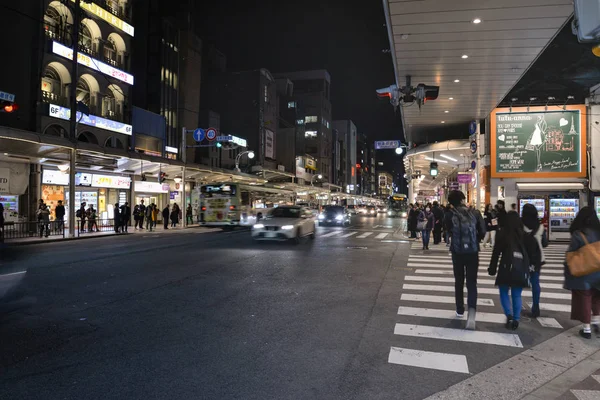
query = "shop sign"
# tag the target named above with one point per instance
(150, 187)
(173, 195)
(170, 149)
(54, 177)
(464, 178)
(535, 143)
(83, 179)
(310, 164)
(92, 63)
(112, 182)
(387, 144)
(269, 144)
(90, 120)
(453, 186)
(4, 180)
(107, 16)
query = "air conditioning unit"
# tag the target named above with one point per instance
(586, 24)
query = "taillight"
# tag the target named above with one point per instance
(232, 207)
(203, 208)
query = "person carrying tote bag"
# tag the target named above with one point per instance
(582, 275)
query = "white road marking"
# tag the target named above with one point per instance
(364, 235)
(450, 314)
(422, 298)
(543, 277)
(586, 394)
(460, 335)
(428, 359)
(437, 288)
(381, 236)
(331, 234)
(596, 377)
(553, 307)
(349, 234)
(13, 273)
(482, 266)
(549, 322)
(479, 281)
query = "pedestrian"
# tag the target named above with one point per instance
(491, 225)
(413, 216)
(500, 213)
(447, 216)
(426, 224)
(149, 214)
(81, 214)
(142, 214)
(532, 227)
(438, 214)
(136, 216)
(91, 216)
(165, 216)
(517, 252)
(44, 220)
(174, 215)
(117, 212)
(125, 216)
(189, 215)
(154, 214)
(513, 207)
(59, 217)
(585, 290)
(467, 229)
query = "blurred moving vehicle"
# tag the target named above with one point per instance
(371, 211)
(352, 209)
(362, 210)
(334, 215)
(397, 206)
(382, 210)
(286, 223)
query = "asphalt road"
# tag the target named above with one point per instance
(189, 315)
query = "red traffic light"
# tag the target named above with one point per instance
(8, 107)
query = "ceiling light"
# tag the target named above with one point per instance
(446, 111)
(450, 98)
(443, 122)
(5, 154)
(464, 56)
(456, 80)
(462, 155)
(436, 160)
(448, 158)
(477, 21)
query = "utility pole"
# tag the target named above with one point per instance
(73, 117)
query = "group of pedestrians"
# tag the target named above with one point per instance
(426, 219)
(150, 214)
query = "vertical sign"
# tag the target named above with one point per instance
(4, 180)
(269, 144)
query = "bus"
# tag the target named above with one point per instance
(398, 206)
(231, 204)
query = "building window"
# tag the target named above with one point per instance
(291, 104)
(300, 122)
(328, 125)
(310, 134)
(311, 118)
(266, 90)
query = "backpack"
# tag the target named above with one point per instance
(519, 271)
(464, 232)
(78, 213)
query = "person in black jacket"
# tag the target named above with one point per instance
(501, 213)
(59, 215)
(438, 215)
(165, 216)
(413, 215)
(117, 218)
(125, 216)
(517, 252)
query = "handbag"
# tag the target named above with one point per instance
(585, 260)
(422, 225)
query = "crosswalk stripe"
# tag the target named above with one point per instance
(486, 263)
(460, 335)
(429, 359)
(438, 288)
(381, 236)
(347, 235)
(331, 234)
(479, 281)
(553, 307)
(549, 322)
(585, 394)
(543, 276)
(364, 235)
(423, 298)
(449, 314)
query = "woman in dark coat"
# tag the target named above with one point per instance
(413, 215)
(585, 290)
(517, 252)
(426, 216)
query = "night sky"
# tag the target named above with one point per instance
(347, 38)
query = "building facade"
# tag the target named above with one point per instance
(346, 133)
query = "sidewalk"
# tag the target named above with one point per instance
(87, 235)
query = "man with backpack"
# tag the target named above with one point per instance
(467, 229)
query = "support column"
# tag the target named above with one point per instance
(184, 195)
(72, 205)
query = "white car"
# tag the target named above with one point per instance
(286, 223)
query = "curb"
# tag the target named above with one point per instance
(527, 372)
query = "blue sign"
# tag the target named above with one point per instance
(224, 138)
(211, 134)
(387, 144)
(473, 147)
(472, 127)
(199, 134)
(473, 164)
(7, 96)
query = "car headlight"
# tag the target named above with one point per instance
(321, 216)
(258, 226)
(287, 227)
(339, 217)
(404, 214)
(389, 213)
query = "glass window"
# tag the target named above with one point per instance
(291, 104)
(266, 90)
(310, 134)
(300, 122)
(286, 212)
(311, 118)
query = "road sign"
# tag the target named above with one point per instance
(7, 96)
(472, 127)
(387, 144)
(224, 138)
(199, 134)
(473, 164)
(211, 134)
(473, 147)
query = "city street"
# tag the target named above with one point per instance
(217, 316)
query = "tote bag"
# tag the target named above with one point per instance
(585, 260)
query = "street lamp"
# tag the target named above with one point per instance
(312, 180)
(239, 156)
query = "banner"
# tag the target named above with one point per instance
(269, 144)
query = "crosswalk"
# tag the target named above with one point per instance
(427, 296)
(356, 235)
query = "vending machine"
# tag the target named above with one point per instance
(597, 205)
(540, 205)
(562, 213)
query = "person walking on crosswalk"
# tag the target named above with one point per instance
(532, 226)
(467, 229)
(517, 252)
(426, 224)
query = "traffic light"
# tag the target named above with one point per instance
(433, 169)
(8, 106)
(162, 177)
(219, 145)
